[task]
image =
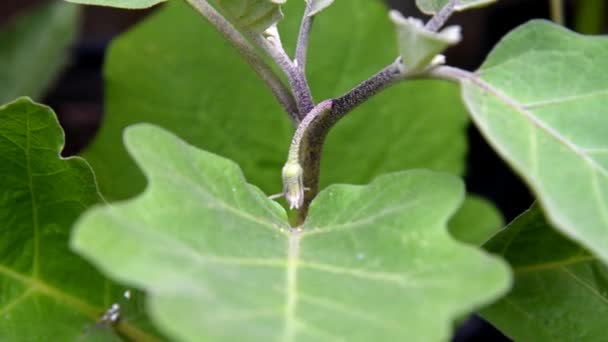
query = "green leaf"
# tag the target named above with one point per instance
(560, 290)
(129, 4)
(540, 101)
(34, 49)
(476, 221)
(419, 46)
(221, 263)
(257, 15)
(209, 97)
(434, 6)
(316, 6)
(48, 292)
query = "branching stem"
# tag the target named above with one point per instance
(303, 163)
(305, 153)
(365, 90)
(440, 18)
(248, 52)
(303, 38)
(297, 80)
(301, 171)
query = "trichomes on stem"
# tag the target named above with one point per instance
(302, 170)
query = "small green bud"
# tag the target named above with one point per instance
(293, 184)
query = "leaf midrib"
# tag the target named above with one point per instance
(549, 266)
(35, 284)
(291, 284)
(530, 317)
(530, 116)
(35, 219)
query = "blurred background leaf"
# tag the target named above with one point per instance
(560, 290)
(48, 292)
(34, 49)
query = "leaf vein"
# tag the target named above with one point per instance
(365, 222)
(588, 286)
(359, 273)
(554, 264)
(562, 100)
(35, 222)
(16, 301)
(519, 108)
(329, 304)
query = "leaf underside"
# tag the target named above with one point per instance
(47, 291)
(221, 263)
(34, 48)
(560, 290)
(540, 101)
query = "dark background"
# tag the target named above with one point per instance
(77, 96)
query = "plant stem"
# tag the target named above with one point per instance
(365, 90)
(303, 38)
(457, 75)
(297, 80)
(557, 11)
(307, 142)
(452, 74)
(248, 52)
(439, 19)
(301, 171)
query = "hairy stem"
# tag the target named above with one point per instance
(301, 171)
(303, 38)
(453, 74)
(439, 19)
(249, 53)
(457, 75)
(365, 90)
(297, 80)
(304, 158)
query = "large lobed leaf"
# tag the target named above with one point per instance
(221, 263)
(161, 73)
(560, 291)
(47, 292)
(34, 48)
(540, 100)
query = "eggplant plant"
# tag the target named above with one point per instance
(258, 180)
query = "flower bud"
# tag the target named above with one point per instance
(293, 184)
